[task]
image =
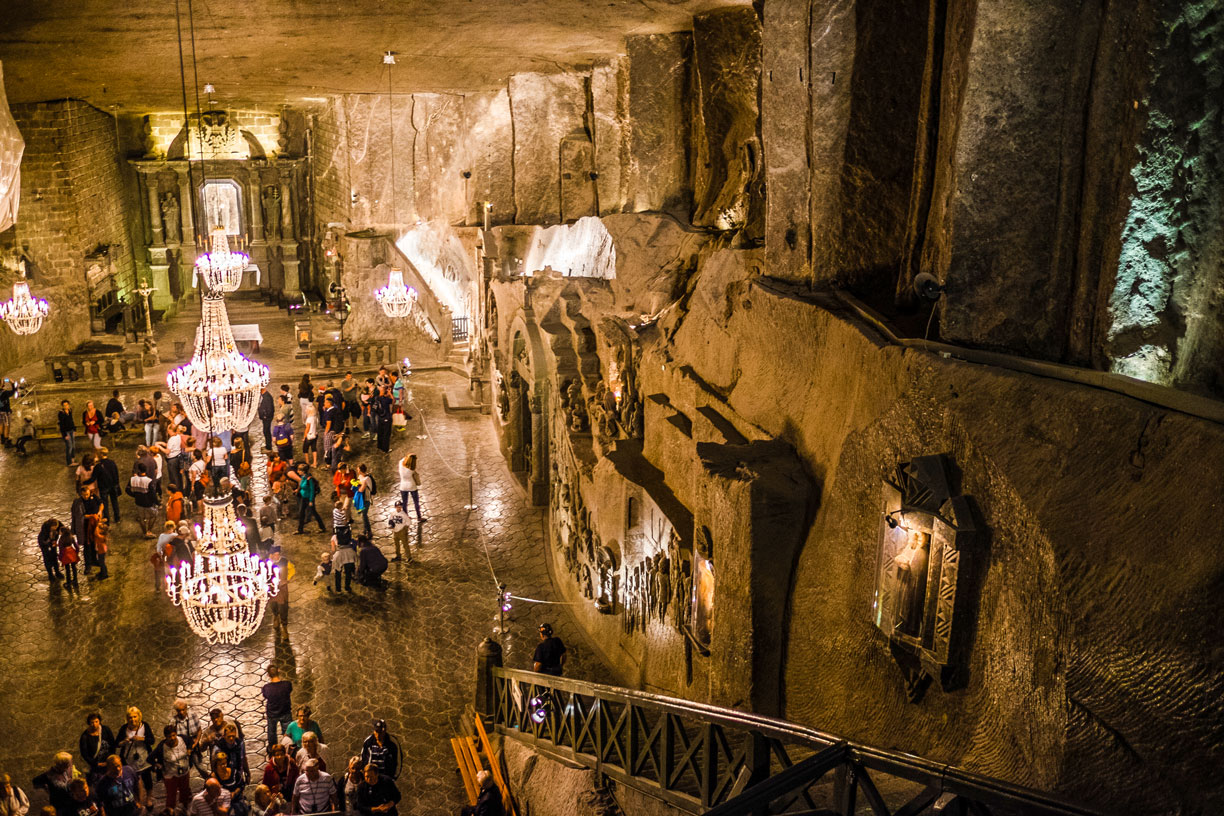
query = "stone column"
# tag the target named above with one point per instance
(289, 258)
(538, 477)
(488, 658)
(288, 232)
(155, 217)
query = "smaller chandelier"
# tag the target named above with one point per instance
(224, 597)
(221, 533)
(396, 298)
(24, 314)
(219, 388)
(221, 268)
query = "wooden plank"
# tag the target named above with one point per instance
(465, 770)
(495, 768)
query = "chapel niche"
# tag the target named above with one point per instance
(927, 539)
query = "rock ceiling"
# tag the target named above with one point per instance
(124, 53)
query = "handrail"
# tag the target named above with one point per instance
(706, 759)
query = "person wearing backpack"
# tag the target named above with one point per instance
(363, 495)
(308, 491)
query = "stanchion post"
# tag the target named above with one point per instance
(488, 658)
(471, 505)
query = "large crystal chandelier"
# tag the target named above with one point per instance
(396, 298)
(219, 388)
(221, 268)
(224, 592)
(24, 314)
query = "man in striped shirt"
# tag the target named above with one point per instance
(313, 792)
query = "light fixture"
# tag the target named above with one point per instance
(221, 268)
(24, 314)
(219, 388)
(396, 298)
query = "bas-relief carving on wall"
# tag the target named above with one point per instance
(616, 409)
(170, 218)
(272, 212)
(925, 533)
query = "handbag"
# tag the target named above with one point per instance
(69, 555)
(398, 420)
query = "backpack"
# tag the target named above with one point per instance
(373, 486)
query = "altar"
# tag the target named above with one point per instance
(248, 335)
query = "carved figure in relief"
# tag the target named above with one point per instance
(272, 213)
(576, 415)
(170, 218)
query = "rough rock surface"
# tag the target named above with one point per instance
(785, 114)
(656, 157)
(490, 136)
(439, 150)
(728, 180)
(546, 108)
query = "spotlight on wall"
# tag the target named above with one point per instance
(467, 174)
(539, 707)
(928, 287)
(892, 519)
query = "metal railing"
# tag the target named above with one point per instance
(459, 329)
(721, 762)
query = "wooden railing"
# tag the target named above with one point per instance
(118, 367)
(721, 762)
(369, 354)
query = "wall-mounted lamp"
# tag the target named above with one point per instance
(928, 287)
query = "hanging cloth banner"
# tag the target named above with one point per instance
(12, 146)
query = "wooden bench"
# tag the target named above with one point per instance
(468, 758)
(495, 768)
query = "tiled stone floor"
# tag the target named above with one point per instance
(406, 654)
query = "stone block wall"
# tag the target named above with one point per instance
(73, 200)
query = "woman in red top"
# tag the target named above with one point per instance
(91, 418)
(280, 772)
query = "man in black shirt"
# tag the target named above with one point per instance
(377, 795)
(7, 391)
(265, 411)
(381, 752)
(106, 474)
(549, 657)
(114, 405)
(67, 431)
(278, 705)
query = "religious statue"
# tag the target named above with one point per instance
(170, 217)
(909, 573)
(576, 414)
(272, 213)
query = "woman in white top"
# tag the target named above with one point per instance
(218, 461)
(13, 801)
(310, 447)
(410, 484)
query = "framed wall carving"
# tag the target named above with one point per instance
(926, 536)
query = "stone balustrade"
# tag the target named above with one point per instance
(367, 354)
(115, 367)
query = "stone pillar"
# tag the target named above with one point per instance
(514, 422)
(254, 189)
(288, 232)
(488, 658)
(155, 215)
(538, 476)
(187, 252)
(289, 256)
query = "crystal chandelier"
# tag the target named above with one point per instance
(224, 592)
(221, 268)
(219, 388)
(396, 298)
(24, 314)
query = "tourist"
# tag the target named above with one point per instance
(341, 518)
(399, 393)
(176, 504)
(382, 409)
(377, 795)
(106, 478)
(162, 550)
(218, 460)
(312, 748)
(173, 449)
(282, 439)
(101, 545)
(240, 463)
(82, 801)
(313, 791)
(266, 520)
(82, 530)
(8, 390)
(307, 492)
(323, 570)
(346, 788)
(341, 450)
(278, 706)
(310, 434)
(119, 789)
(13, 801)
(305, 393)
(217, 723)
(48, 545)
(91, 421)
(85, 470)
(344, 558)
(91, 517)
(143, 490)
(371, 563)
(281, 771)
(278, 604)
(171, 761)
(301, 724)
(381, 750)
(333, 424)
(383, 378)
(114, 405)
(285, 402)
(363, 495)
(68, 558)
(197, 475)
(135, 746)
(56, 779)
(188, 725)
(265, 411)
(549, 656)
(97, 742)
(266, 802)
(213, 800)
(367, 421)
(229, 777)
(67, 431)
(146, 414)
(410, 484)
(25, 436)
(489, 801)
(399, 533)
(231, 752)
